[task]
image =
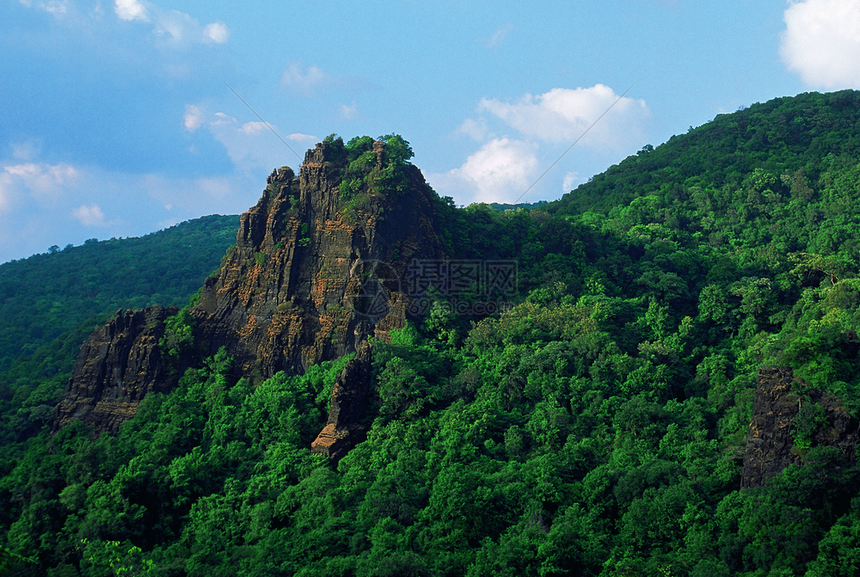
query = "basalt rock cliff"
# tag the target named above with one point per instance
(116, 367)
(777, 419)
(349, 399)
(312, 276)
(314, 272)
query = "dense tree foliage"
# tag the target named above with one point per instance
(595, 426)
(100, 277)
(43, 322)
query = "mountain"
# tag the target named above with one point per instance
(656, 374)
(96, 278)
(799, 136)
(50, 303)
(309, 278)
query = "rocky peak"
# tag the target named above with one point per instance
(314, 272)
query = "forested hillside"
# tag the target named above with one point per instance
(50, 302)
(594, 421)
(45, 295)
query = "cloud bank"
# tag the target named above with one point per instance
(90, 215)
(504, 167)
(250, 145)
(500, 171)
(43, 204)
(131, 10)
(174, 27)
(821, 42)
(563, 115)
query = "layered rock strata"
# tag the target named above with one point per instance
(116, 367)
(349, 401)
(312, 275)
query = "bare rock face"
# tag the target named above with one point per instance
(349, 401)
(312, 275)
(116, 367)
(771, 439)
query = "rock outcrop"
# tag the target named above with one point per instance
(769, 440)
(349, 401)
(312, 275)
(116, 367)
(772, 431)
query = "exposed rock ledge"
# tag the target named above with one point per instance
(349, 400)
(770, 442)
(116, 367)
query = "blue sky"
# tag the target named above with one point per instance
(117, 118)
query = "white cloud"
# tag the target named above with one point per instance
(193, 118)
(821, 42)
(45, 182)
(131, 10)
(250, 145)
(563, 115)
(222, 119)
(500, 171)
(45, 204)
(474, 129)
(176, 27)
(90, 215)
(496, 39)
(216, 32)
(505, 168)
(570, 179)
(23, 170)
(349, 112)
(172, 28)
(253, 127)
(299, 137)
(305, 82)
(55, 7)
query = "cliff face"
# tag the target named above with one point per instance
(775, 424)
(349, 400)
(310, 278)
(116, 367)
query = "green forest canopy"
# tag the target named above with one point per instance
(43, 323)
(97, 278)
(596, 428)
